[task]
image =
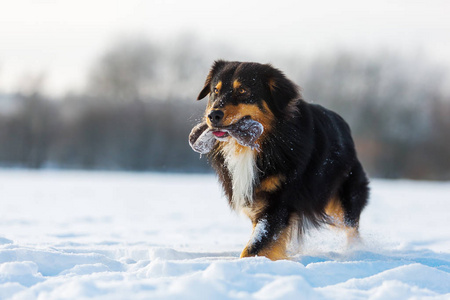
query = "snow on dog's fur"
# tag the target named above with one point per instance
(285, 163)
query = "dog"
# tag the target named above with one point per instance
(287, 164)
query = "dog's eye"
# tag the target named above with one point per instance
(216, 91)
(242, 91)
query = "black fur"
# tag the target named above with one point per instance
(308, 144)
(315, 151)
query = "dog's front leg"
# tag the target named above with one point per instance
(270, 235)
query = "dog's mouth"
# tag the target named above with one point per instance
(239, 127)
(220, 134)
(245, 131)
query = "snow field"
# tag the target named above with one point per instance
(79, 235)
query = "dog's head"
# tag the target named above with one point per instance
(240, 90)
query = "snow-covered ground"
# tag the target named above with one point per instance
(79, 235)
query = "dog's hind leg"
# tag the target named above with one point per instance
(353, 197)
(336, 214)
(270, 236)
(337, 218)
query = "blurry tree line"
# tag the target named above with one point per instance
(139, 105)
(398, 109)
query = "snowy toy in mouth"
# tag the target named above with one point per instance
(245, 131)
(201, 138)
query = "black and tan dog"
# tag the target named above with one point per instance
(285, 163)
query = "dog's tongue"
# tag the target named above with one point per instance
(219, 133)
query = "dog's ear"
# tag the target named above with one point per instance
(282, 90)
(216, 67)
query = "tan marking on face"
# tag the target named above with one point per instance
(271, 183)
(233, 113)
(219, 85)
(236, 84)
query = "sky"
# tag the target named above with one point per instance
(62, 38)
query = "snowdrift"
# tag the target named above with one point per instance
(78, 235)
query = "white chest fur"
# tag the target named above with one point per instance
(240, 162)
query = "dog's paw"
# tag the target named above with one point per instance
(201, 139)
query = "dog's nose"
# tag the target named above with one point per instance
(215, 117)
